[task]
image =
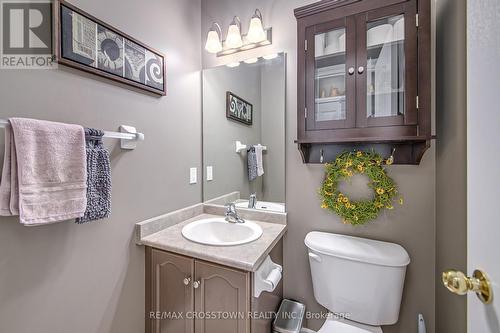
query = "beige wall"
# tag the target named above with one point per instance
(451, 160)
(412, 226)
(90, 278)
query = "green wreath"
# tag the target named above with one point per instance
(344, 167)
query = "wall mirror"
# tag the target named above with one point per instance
(244, 134)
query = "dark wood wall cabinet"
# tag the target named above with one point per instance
(364, 78)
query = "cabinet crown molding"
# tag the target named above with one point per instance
(321, 6)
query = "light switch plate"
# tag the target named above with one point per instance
(193, 175)
(210, 173)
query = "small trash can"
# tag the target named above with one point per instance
(289, 317)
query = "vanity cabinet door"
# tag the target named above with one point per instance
(222, 296)
(171, 296)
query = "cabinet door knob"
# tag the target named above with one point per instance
(186, 281)
(351, 70)
(361, 69)
(196, 284)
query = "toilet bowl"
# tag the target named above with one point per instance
(360, 278)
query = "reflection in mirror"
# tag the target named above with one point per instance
(244, 134)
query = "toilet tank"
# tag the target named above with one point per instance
(359, 278)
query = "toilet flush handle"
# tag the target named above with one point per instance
(314, 257)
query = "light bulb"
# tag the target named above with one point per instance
(270, 56)
(256, 31)
(213, 44)
(251, 61)
(233, 39)
(233, 64)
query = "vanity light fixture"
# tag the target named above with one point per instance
(233, 40)
(256, 33)
(233, 64)
(214, 39)
(251, 60)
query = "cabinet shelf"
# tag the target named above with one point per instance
(400, 91)
(327, 76)
(393, 43)
(406, 152)
(330, 99)
(331, 55)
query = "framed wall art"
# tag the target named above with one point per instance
(238, 109)
(86, 43)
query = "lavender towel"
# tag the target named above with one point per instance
(44, 174)
(9, 193)
(98, 178)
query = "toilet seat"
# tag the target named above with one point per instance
(334, 325)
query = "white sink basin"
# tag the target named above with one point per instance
(217, 231)
(262, 205)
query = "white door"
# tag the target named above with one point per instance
(483, 160)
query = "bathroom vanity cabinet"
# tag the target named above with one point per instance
(186, 286)
(188, 295)
(364, 78)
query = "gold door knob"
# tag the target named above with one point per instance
(460, 284)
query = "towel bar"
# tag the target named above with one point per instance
(128, 135)
(241, 147)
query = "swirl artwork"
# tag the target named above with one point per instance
(238, 109)
(91, 45)
(154, 70)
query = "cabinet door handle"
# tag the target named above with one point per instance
(361, 69)
(196, 284)
(186, 281)
(351, 70)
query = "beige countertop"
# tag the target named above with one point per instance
(247, 257)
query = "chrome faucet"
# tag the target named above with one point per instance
(252, 201)
(232, 214)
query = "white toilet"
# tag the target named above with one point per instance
(359, 280)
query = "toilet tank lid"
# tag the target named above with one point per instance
(358, 249)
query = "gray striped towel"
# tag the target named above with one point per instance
(98, 178)
(252, 164)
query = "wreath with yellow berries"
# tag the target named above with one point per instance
(344, 167)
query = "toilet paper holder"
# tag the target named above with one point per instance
(267, 277)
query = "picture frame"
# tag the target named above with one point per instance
(84, 42)
(238, 109)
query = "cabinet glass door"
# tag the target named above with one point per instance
(328, 78)
(330, 75)
(387, 68)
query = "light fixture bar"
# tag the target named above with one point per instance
(248, 45)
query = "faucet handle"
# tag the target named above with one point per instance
(252, 201)
(230, 208)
